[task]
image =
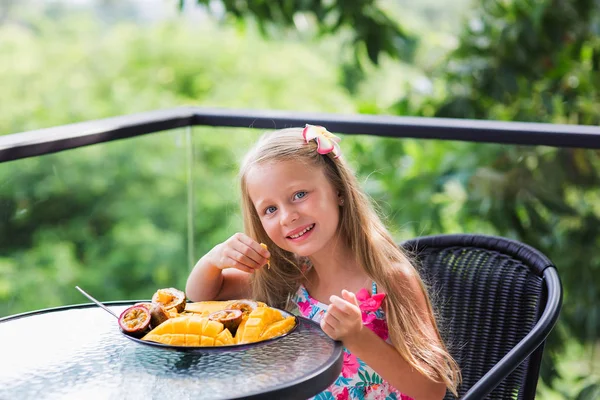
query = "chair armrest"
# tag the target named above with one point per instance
(527, 345)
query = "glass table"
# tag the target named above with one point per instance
(79, 352)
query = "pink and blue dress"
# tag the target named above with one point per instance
(357, 380)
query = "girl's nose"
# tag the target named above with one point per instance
(288, 216)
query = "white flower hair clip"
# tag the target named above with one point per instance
(327, 142)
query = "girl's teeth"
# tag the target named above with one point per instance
(301, 233)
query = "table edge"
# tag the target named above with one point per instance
(67, 307)
(323, 377)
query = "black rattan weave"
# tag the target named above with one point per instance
(490, 293)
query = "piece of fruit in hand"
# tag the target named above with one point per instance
(264, 246)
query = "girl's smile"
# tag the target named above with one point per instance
(301, 233)
(297, 205)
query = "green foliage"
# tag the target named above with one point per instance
(370, 28)
(537, 61)
(531, 61)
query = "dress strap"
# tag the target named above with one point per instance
(374, 289)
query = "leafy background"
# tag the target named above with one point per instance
(123, 218)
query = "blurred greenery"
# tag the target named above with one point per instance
(116, 218)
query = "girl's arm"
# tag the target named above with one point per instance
(343, 321)
(392, 367)
(207, 282)
(224, 272)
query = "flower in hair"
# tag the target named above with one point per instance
(327, 142)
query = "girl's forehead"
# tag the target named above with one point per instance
(276, 176)
(288, 169)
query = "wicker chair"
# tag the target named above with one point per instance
(497, 300)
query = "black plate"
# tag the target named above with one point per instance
(217, 349)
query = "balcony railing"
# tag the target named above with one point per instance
(44, 141)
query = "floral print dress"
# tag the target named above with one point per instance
(357, 380)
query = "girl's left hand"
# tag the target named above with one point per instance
(343, 319)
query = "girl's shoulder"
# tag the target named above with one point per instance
(405, 276)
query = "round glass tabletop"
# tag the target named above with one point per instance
(79, 352)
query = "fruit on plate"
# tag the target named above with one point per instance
(251, 328)
(204, 308)
(278, 328)
(145, 304)
(135, 320)
(190, 331)
(158, 315)
(170, 320)
(246, 306)
(169, 299)
(230, 319)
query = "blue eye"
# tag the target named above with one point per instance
(300, 195)
(270, 210)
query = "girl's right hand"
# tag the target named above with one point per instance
(239, 251)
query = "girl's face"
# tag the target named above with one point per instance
(297, 205)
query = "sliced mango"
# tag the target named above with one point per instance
(175, 331)
(203, 308)
(192, 340)
(224, 338)
(264, 246)
(257, 321)
(207, 307)
(278, 328)
(194, 330)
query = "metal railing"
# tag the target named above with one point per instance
(44, 141)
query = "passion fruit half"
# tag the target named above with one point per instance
(246, 306)
(135, 320)
(230, 319)
(147, 305)
(158, 315)
(170, 298)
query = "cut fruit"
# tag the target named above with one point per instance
(246, 306)
(170, 298)
(147, 305)
(135, 320)
(264, 246)
(230, 319)
(158, 315)
(190, 331)
(278, 328)
(204, 308)
(207, 307)
(259, 319)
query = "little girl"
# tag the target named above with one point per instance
(332, 260)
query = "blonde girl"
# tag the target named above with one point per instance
(332, 260)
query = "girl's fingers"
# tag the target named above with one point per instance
(243, 259)
(327, 328)
(232, 259)
(251, 249)
(332, 318)
(243, 267)
(350, 297)
(340, 305)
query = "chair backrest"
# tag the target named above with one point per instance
(496, 300)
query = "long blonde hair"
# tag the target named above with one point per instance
(374, 249)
